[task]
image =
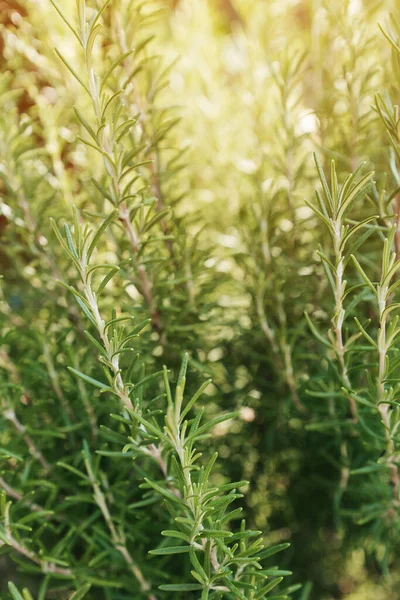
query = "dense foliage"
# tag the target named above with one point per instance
(200, 256)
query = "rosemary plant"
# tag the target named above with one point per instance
(160, 439)
(199, 367)
(199, 510)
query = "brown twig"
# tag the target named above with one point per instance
(11, 416)
(13, 493)
(16, 495)
(46, 567)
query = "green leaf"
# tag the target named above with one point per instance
(320, 214)
(162, 214)
(83, 306)
(150, 428)
(235, 590)
(88, 379)
(273, 550)
(72, 470)
(204, 428)
(183, 369)
(200, 572)
(72, 71)
(78, 595)
(180, 587)
(95, 30)
(369, 469)
(360, 188)
(365, 334)
(65, 246)
(68, 24)
(111, 217)
(14, 592)
(305, 595)
(85, 124)
(324, 183)
(363, 274)
(214, 533)
(117, 320)
(170, 550)
(166, 493)
(276, 572)
(329, 424)
(106, 279)
(96, 343)
(389, 39)
(100, 12)
(267, 588)
(175, 534)
(114, 65)
(103, 583)
(316, 332)
(194, 399)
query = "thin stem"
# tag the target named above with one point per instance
(154, 165)
(338, 317)
(34, 241)
(192, 494)
(13, 493)
(16, 495)
(55, 381)
(113, 360)
(7, 364)
(265, 326)
(285, 366)
(287, 355)
(146, 285)
(120, 389)
(107, 144)
(11, 416)
(397, 222)
(383, 406)
(117, 537)
(46, 567)
(153, 150)
(88, 407)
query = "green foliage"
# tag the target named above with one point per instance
(92, 515)
(154, 212)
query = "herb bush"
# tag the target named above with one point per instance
(200, 251)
